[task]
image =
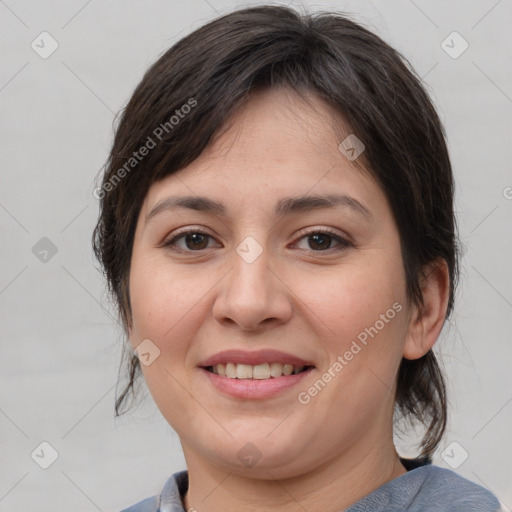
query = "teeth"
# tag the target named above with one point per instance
(259, 371)
(243, 371)
(287, 369)
(231, 370)
(276, 369)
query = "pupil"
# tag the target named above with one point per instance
(194, 238)
(321, 236)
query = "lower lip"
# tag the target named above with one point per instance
(255, 388)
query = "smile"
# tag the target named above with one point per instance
(253, 388)
(259, 371)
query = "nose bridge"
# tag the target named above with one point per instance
(251, 279)
(251, 267)
(251, 293)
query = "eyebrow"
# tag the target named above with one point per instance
(284, 207)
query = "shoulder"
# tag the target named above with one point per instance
(429, 488)
(450, 491)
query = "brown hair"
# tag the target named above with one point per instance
(213, 70)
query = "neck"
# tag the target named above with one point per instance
(331, 487)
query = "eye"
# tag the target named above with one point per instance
(194, 240)
(321, 239)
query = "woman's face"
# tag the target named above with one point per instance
(262, 275)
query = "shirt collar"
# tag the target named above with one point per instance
(171, 497)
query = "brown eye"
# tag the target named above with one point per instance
(321, 240)
(194, 241)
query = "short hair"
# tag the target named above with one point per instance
(213, 71)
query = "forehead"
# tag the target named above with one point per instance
(286, 124)
(276, 144)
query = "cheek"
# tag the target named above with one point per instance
(359, 316)
(164, 310)
(165, 302)
(350, 298)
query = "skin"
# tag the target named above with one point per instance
(296, 297)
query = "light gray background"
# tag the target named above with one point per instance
(60, 348)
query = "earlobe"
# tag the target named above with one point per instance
(426, 321)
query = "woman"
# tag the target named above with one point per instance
(277, 229)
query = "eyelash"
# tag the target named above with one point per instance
(343, 243)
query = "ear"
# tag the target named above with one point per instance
(426, 321)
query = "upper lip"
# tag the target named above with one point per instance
(254, 357)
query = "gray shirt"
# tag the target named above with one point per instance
(425, 488)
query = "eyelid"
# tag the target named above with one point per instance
(325, 230)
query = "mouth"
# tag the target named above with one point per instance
(263, 371)
(259, 382)
(257, 374)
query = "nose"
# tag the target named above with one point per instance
(253, 296)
